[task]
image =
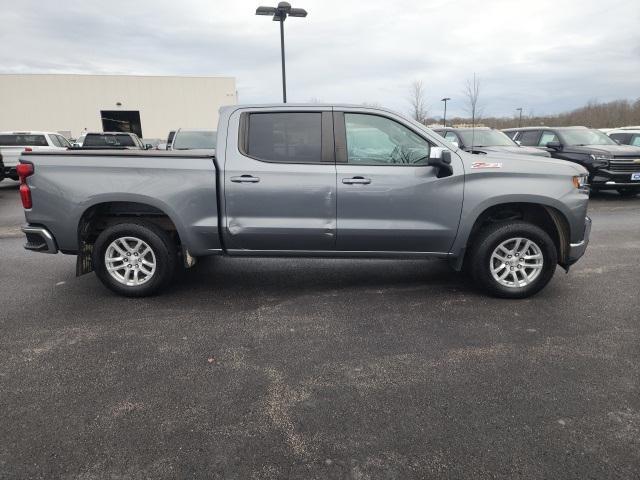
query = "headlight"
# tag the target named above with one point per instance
(581, 182)
(601, 160)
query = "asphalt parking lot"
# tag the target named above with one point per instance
(253, 368)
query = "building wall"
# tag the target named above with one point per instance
(73, 102)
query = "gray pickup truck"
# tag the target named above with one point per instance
(310, 181)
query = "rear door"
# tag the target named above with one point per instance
(280, 181)
(389, 199)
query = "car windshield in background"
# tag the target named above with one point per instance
(485, 138)
(186, 140)
(579, 137)
(108, 141)
(19, 140)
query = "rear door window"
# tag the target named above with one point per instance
(529, 137)
(287, 137)
(106, 141)
(64, 142)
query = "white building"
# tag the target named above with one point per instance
(150, 106)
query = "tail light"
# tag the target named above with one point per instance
(28, 149)
(25, 170)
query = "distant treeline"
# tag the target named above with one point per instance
(618, 113)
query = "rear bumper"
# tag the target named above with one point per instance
(576, 250)
(39, 239)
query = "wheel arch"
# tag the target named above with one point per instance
(101, 215)
(552, 220)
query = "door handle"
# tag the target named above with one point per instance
(356, 181)
(245, 179)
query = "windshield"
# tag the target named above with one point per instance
(485, 138)
(581, 136)
(23, 140)
(187, 140)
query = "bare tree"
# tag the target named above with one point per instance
(472, 94)
(417, 100)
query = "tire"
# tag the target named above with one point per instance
(628, 192)
(160, 259)
(483, 263)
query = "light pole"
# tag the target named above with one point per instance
(444, 118)
(520, 118)
(280, 14)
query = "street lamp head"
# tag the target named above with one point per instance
(265, 11)
(281, 12)
(445, 99)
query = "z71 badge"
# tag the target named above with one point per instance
(486, 165)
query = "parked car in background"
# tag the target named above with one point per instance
(111, 140)
(194, 140)
(626, 135)
(309, 181)
(152, 143)
(1, 168)
(12, 144)
(611, 166)
(483, 140)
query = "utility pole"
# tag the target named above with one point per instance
(280, 14)
(444, 118)
(520, 118)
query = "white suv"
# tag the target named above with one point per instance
(12, 144)
(626, 135)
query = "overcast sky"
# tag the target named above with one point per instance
(546, 56)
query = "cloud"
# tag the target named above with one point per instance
(546, 57)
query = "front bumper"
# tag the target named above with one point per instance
(39, 239)
(576, 250)
(605, 179)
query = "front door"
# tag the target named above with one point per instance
(280, 182)
(389, 199)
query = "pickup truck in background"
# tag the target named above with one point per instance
(194, 140)
(611, 166)
(483, 140)
(12, 144)
(110, 140)
(310, 181)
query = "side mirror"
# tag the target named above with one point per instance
(554, 145)
(148, 146)
(519, 143)
(440, 158)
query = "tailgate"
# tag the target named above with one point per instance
(10, 155)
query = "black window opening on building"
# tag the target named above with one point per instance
(121, 121)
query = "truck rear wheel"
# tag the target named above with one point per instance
(513, 260)
(134, 259)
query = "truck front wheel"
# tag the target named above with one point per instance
(134, 259)
(512, 260)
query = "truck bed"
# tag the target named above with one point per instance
(181, 185)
